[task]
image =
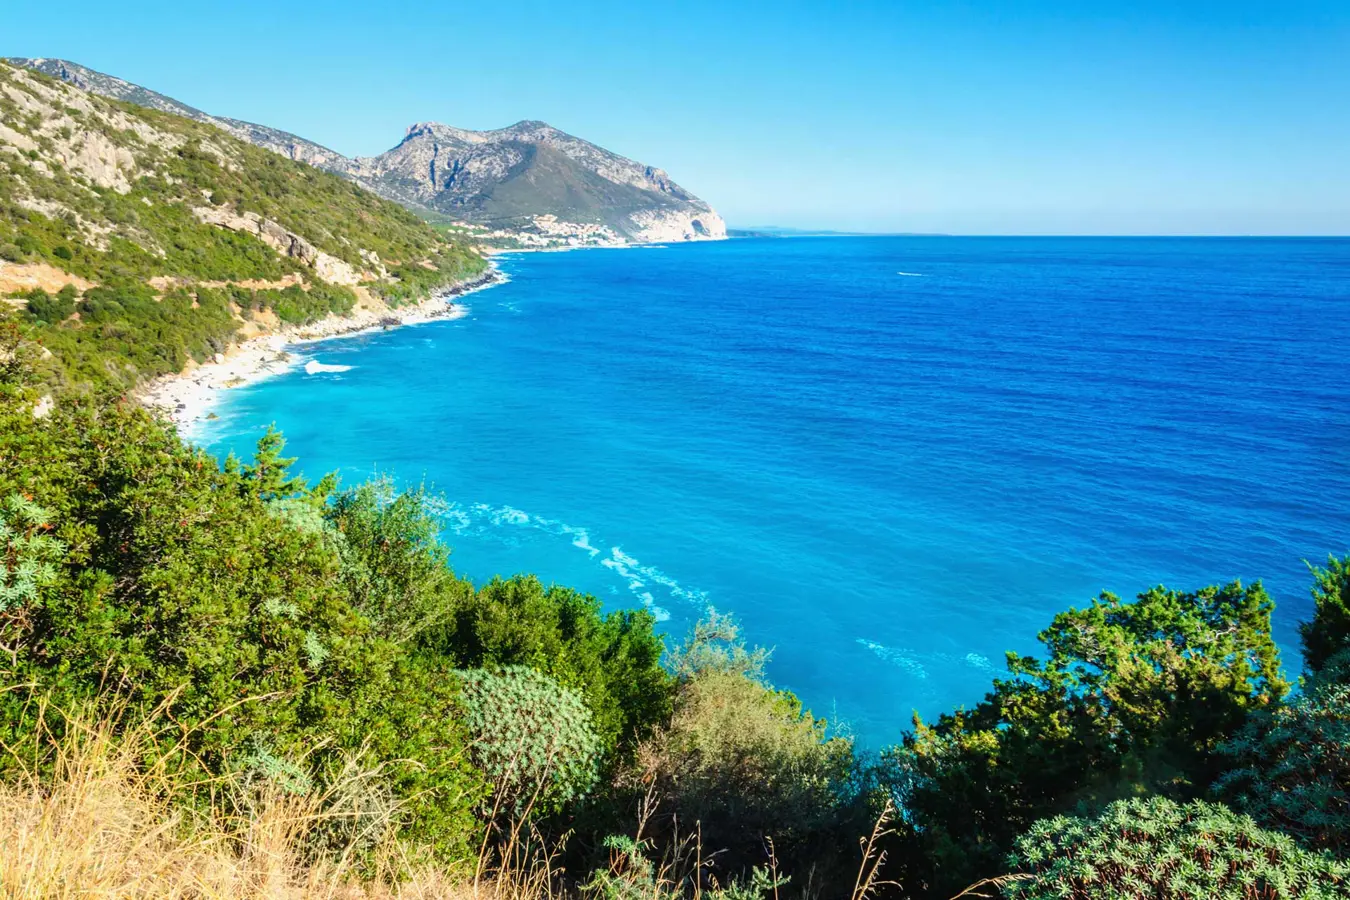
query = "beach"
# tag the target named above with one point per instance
(190, 396)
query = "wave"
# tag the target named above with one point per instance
(913, 661)
(912, 274)
(644, 582)
(314, 367)
(902, 659)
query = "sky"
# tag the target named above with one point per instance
(1026, 117)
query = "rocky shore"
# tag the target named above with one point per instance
(188, 397)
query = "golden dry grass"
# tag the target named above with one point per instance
(101, 824)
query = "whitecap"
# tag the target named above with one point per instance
(912, 274)
(642, 581)
(314, 367)
(901, 659)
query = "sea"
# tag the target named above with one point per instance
(891, 459)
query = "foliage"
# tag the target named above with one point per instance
(126, 335)
(1329, 631)
(27, 555)
(612, 659)
(742, 760)
(52, 309)
(1131, 698)
(395, 569)
(180, 587)
(1291, 767)
(631, 875)
(1157, 848)
(126, 331)
(532, 737)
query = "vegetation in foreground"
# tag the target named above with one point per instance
(224, 659)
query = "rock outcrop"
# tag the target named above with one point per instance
(513, 176)
(287, 243)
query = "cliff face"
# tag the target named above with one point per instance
(513, 176)
(529, 179)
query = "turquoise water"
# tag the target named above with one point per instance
(892, 458)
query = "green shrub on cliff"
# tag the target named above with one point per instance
(1157, 848)
(1291, 767)
(1329, 631)
(532, 738)
(1130, 698)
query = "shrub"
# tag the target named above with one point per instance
(45, 307)
(1329, 631)
(532, 737)
(1291, 768)
(28, 556)
(741, 761)
(612, 659)
(1156, 848)
(1131, 698)
(180, 587)
(11, 253)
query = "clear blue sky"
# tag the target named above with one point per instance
(1031, 116)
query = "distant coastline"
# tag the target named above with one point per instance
(189, 397)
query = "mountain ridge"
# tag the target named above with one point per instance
(528, 183)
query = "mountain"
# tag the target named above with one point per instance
(529, 183)
(519, 175)
(166, 239)
(274, 139)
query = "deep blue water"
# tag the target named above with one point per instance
(889, 478)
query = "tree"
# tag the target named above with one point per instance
(268, 477)
(1329, 631)
(1130, 698)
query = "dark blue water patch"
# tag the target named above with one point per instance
(889, 478)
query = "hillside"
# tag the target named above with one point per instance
(525, 185)
(515, 176)
(274, 139)
(133, 240)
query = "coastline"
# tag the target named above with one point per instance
(189, 397)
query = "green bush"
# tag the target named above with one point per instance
(47, 308)
(612, 659)
(180, 586)
(1130, 699)
(1154, 849)
(532, 737)
(743, 762)
(28, 555)
(1291, 768)
(1329, 631)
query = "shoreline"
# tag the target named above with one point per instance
(189, 397)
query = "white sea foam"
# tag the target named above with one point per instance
(912, 274)
(644, 582)
(314, 367)
(913, 661)
(902, 659)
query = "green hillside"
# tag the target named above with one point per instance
(119, 198)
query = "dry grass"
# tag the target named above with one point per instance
(101, 824)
